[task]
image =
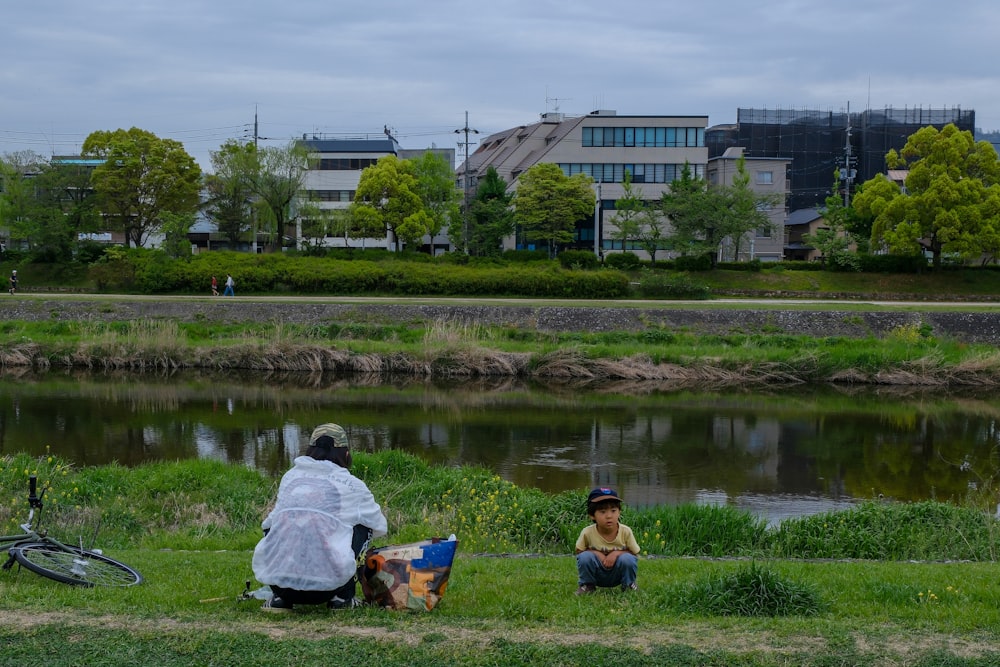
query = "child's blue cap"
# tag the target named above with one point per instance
(603, 493)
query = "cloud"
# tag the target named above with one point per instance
(198, 72)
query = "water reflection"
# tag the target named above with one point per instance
(777, 453)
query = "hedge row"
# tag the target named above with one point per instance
(259, 274)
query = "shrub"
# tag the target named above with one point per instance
(701, 262)
(671, 286)
(623, 261)
(578, 259)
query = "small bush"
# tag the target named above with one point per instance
(752, 590)
(578, 259)
(671, 286)
(623, 261)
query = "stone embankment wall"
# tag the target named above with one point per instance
(971, 327)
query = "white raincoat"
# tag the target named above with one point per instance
(308, 544)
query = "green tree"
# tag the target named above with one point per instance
(274, 175)
(230, 197)
(491, 218)
(141, 178)
(438, 193)
(946, 205)
(18, 199)
(652, 234)
(628, 210)
(696, 215)
(387, 202)
(175, 230)
(548, 204)
(743, 211)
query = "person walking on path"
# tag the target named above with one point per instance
(13, 281)
(230, 283)
(215, 287)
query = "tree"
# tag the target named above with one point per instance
(141, 178)
(387, 201)
(651, 235)
(946, 205)
(628, 210)
(548, 204)
(696, 215)
(491, 218)
(230, 197)
(175, 228)
(275, 175)
(437, 190)
(743, 210)
(17, 194)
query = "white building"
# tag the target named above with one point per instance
(602, 145)
(335, 171)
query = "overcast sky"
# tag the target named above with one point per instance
(197, 71)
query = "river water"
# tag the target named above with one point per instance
(777, 453)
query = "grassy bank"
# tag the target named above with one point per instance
(885, 583)
(909, 354)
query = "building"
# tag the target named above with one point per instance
(821, 143)
(602, 145)
(768, 177)
(798, 226)
(335, 171)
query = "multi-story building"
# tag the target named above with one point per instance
(603, 145)
(821, 143)
(768, 178)
(335, 171)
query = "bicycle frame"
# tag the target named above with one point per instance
(50, 558)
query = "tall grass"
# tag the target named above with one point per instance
(200, 504)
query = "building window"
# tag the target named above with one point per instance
(765, 178)
(645, 137)
(345, 164)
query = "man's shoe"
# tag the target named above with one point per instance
(277, 605)
(630, 587)
(586, 589)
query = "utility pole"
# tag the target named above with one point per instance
(465, 182)
(849, 170)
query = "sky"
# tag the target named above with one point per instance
(200, 72)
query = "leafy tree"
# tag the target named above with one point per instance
(274, 175)
(652, 235)
(491, 218)
(548, 203)
(175, 229)
(437, 190)
(17, 194)
(388, 201)
(696, 215)
(946, 205)
(141, 178)
(743, 211)
(230, 197)
(628, 209)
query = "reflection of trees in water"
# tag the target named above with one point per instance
(671, 442)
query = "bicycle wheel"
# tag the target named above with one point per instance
(74, 566)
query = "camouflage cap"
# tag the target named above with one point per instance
(332, 430)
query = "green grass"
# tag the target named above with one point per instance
(515, 611)
(716, 586)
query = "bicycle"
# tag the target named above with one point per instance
(67, 564)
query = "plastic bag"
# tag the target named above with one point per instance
(410, 576)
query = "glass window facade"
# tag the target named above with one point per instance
(643, 137)
(608, 172)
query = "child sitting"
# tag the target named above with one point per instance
(606, 551)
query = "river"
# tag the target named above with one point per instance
(777, 452)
